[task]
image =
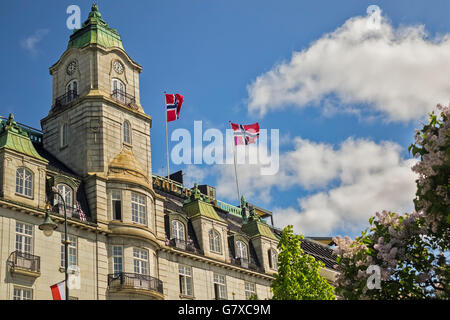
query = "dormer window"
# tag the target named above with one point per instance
(67, 194)
(273, 259)
(24, 182)
(214, 241)
(241, 250)
(178, 230)
(126, 132)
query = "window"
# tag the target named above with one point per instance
(241, 250)
(24, 182)
(250, 290)
(185, 275)
(126, 132)
(273, 259)
(116, 197)
(117, 254)
(64, 134)
(22, 293)
(118, 90)
(138, 208)
(72, 251)
(24, 238)
(72, 90)
(220, 288)
(67, 193)
(140, 259)
(214, 241)
(177, 230)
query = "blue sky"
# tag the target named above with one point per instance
(345, 127)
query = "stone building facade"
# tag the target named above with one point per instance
(133, 234)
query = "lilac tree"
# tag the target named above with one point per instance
(410, 251)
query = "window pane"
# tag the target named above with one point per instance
(24, 238)
(117, 259)
(24, 182)
(138, 209)
(72, 249)
(241, 250)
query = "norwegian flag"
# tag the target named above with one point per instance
(173, 106)
(245, 134)
(81, 212)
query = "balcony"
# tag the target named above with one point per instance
(246, 263)
(73, 213)
(124, 98)
(184, 245)
(135, 284)
(65, 99)
(24, 264)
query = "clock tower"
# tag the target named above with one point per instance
(96, 125)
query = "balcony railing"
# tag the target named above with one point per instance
(124, 280)
(24, 261)
(124, 98)
(65, 99)
(246, 263)
(71, 212)
(184, 245)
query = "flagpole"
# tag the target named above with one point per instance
(167, 139)
(235, 168)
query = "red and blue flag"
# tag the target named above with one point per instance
(173, 106)
(245, 134)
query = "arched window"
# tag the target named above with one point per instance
(273, 259)
(214, 241)
(126, 132)
(67, 193)
(118, 91)
(24, 182)
(241, 250)
(178, 230)
(72, 90)
(64, 134)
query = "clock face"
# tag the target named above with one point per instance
(118, 66)
(71, 67)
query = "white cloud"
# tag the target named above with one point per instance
(194, 174)
(32, 41)
(347, 184)
(396, 71)
(366, 177)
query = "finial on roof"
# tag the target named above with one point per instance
(11, 118)
(243, 201)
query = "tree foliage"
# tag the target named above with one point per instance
(411, 250)
(298, 275)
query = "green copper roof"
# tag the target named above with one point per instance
(15, 138)
(95, 30)
(198, 205)
(254, 226)
(258, 228)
